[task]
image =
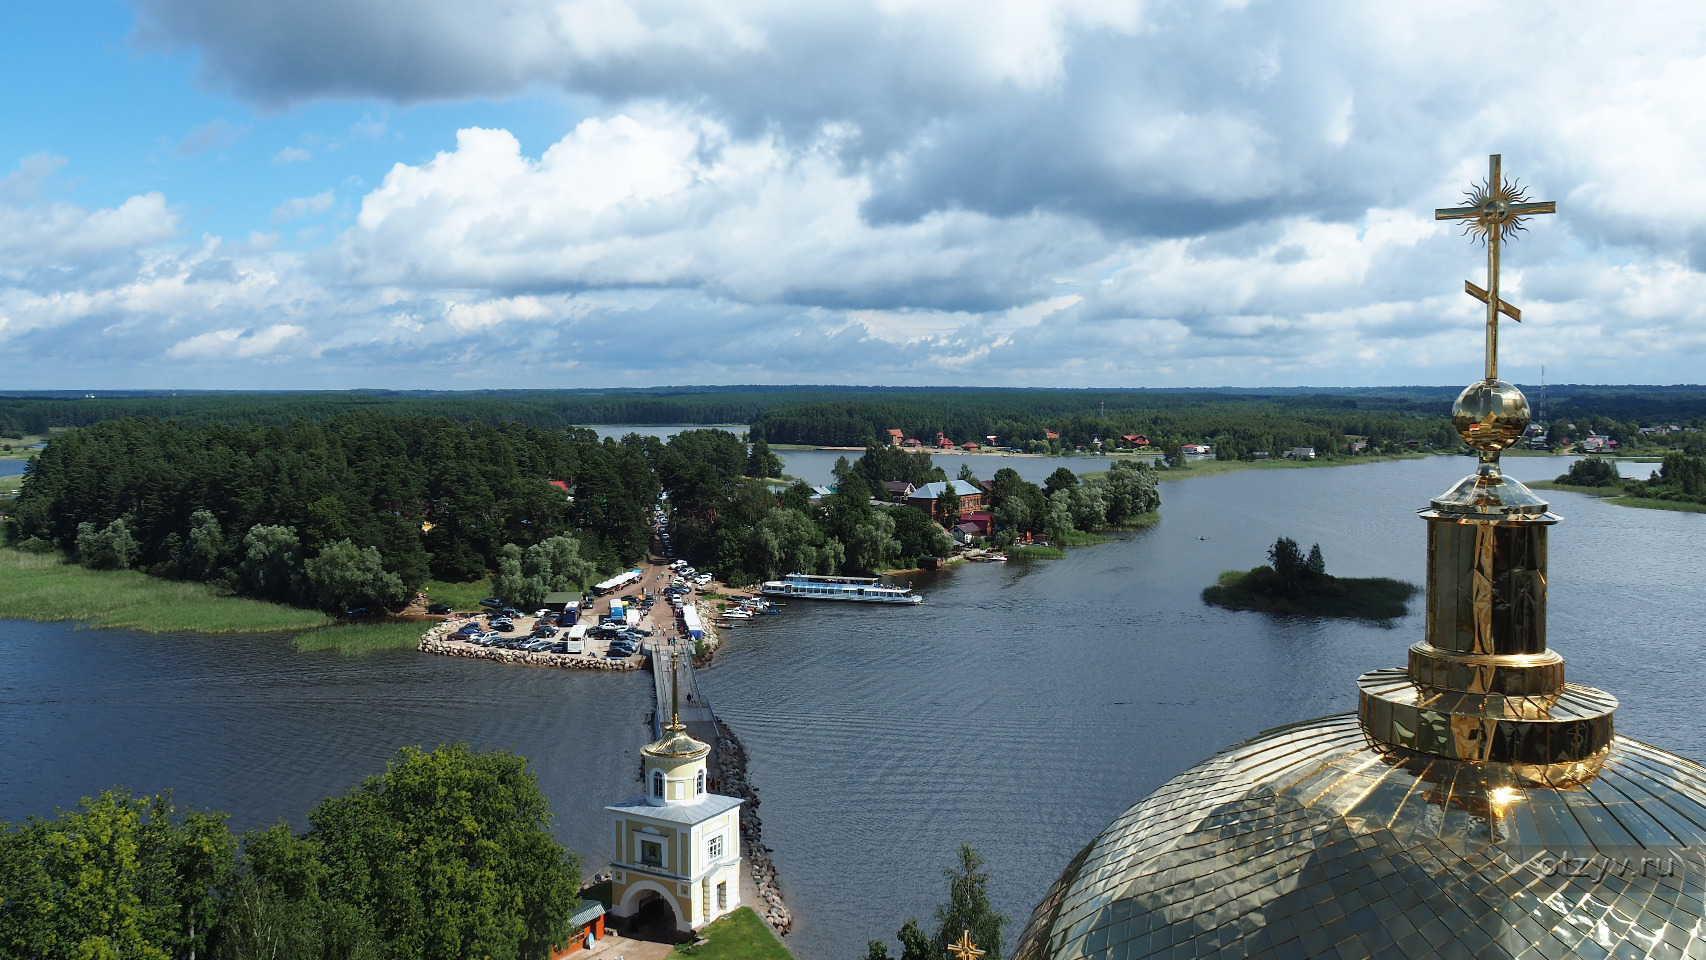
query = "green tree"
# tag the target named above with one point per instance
(1088, 504)
(118, 877)
(558, 562)
(1286, 557)
(1592, 472)
(450, 855)
(787, 541)
(871, 546)
(915, 944)
(918, 535)
(110, 548)
(760, 462)
(967, 907)
(205, 558)
(512, 584)
(1057, 523)
(1315, 568)
(344, 576)
(1686, 473)
(949, 504)
(272, 563)
(1130, 491)
(1061, 479)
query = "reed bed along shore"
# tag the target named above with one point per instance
(44, 587)
(355, 639)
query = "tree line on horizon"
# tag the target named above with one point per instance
(1238, 422)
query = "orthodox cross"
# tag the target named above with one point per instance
(1494, 212)
(965, 949)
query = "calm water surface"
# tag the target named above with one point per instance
(1020, 709)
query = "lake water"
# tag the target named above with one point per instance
(12, 468)
(1020, 709)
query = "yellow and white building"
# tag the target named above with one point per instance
(678, 843)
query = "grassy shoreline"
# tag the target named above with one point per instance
(44, 588)
(1615, 495)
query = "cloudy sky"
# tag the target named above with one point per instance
(568, 193)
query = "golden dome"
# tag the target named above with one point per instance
(1313, 840)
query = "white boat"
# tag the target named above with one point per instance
(858, 589)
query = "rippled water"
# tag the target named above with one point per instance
(1026, 705)
(1020, 709)
(250, 726)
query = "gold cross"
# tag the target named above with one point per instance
(1495, 212)
(965, 949)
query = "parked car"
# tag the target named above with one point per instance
(439, 609)
(545, 633)
(509, 612)
(487, 638)
(492, 602)
(503, 625)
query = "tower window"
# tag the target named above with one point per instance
(722, 896)
(701, 783)
(716, 849)
(657, 783)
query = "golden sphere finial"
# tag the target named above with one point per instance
(1490, 416)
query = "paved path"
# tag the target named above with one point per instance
(670, 660)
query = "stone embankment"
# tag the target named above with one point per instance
(731, 761)
(437, 640)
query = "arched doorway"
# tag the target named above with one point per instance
(653, 918)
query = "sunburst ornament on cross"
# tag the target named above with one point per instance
(1494, 213)
(965, 949)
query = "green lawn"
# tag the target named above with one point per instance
(460, 596)
(44, 587)
(739, 936)
(1036, 552)
(11, 484)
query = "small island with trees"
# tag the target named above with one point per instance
(1294, 584)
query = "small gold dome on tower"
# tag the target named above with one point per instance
(676, 744)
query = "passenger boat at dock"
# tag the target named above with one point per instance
(858, 589)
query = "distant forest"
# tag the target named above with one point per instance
(1239, 422)
(852, 415)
